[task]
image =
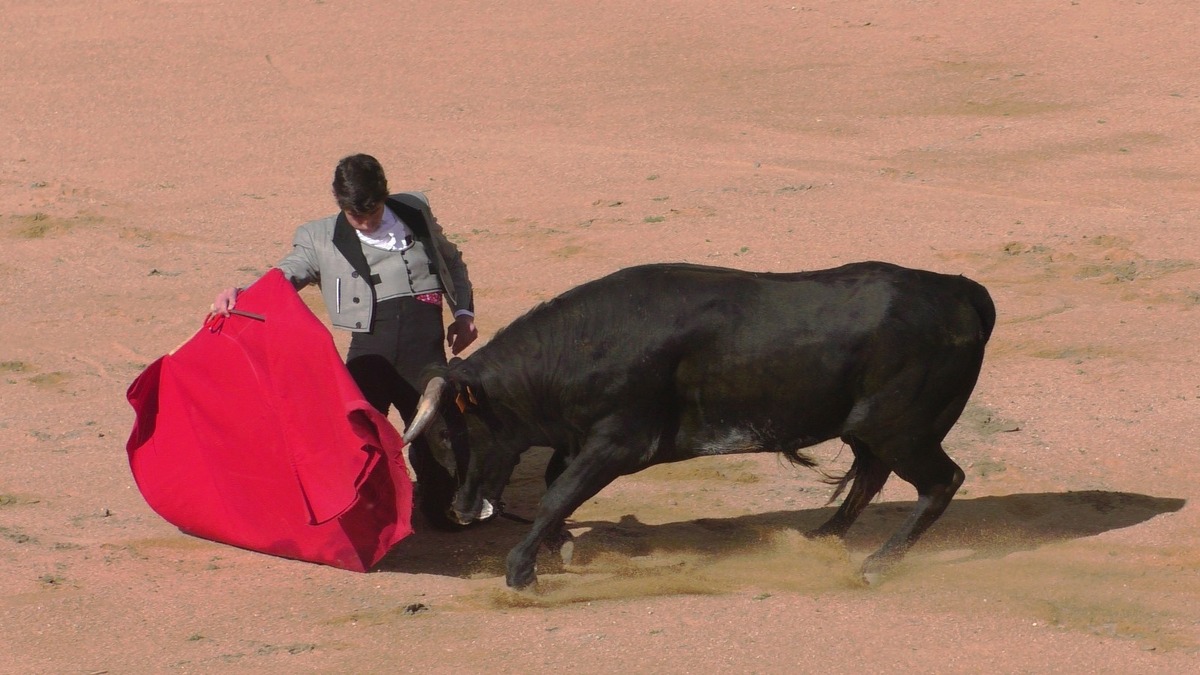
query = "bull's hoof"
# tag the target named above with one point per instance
(522, 581)
(521, 568)
(567, 552)
(563, 544)
(875, 568)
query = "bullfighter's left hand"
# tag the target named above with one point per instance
(461, 333)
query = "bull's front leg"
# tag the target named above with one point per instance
(585, 476)
(559, 542)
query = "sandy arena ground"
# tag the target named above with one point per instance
(154, 151)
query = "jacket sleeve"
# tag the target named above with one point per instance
(300, 266)
(455, 266)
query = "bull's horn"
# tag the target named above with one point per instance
(425, 408)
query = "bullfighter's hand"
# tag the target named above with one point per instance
(225, 301)
(461, 333)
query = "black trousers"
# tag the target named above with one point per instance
(406, 336)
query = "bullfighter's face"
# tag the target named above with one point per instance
(366, 223)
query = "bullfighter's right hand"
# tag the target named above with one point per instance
(225, 301)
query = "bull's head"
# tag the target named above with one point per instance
(461, 434)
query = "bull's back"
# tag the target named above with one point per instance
(738, 346)
(666, 309)
(755, 310)
(815, 353)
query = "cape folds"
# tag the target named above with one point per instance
(252, 433)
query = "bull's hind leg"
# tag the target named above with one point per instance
(936, 478)
(868, 475)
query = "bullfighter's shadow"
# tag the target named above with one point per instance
(990, 527)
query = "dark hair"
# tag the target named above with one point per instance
(359, 185)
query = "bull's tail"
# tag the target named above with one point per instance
(797, 457)
(840, 482)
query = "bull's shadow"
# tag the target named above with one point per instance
(989, 527)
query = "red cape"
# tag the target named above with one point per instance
(253, 433)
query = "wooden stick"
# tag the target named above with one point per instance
(249, 315)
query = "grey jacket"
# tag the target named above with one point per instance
(327, 252)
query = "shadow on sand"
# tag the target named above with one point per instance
(989, 526)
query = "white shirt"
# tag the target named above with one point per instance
(392, 235)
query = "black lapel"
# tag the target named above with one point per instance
(412, 216)
(346, 241)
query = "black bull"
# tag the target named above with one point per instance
(666, 362)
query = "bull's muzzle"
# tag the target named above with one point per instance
(484, 511)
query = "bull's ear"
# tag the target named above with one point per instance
(465, 398)
(476, 399)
